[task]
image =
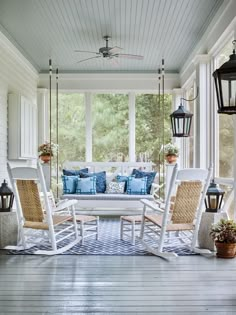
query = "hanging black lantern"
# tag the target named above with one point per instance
(214, 197)
(225, 84)
(181, 120)
(6, 198)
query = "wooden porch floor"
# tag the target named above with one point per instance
(116, 285)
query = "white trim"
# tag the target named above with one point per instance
(112, 82)
(220, 26)
(17, 55)
(132, 157)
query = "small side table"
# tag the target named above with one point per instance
(8, 229)
(207, 219)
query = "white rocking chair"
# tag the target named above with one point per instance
(55, 226)
(176, 222)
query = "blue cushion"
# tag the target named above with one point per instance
(122, 178)
(136, 186)
(69, 184)
(86, 186)
(74, 172)
(150, 177)
(100, 180)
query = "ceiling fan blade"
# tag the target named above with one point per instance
(114, 50)
(113, 61)
(88, 59)
(129, 56)
(85, 51)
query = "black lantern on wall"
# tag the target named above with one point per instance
(225, 84)
(214, 197)
(181, 120)
(6, 198)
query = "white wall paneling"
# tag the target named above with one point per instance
(16, 76)
(22, 127)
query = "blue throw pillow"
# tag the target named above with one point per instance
(122, 178)
(137, 186)
(100, 180)
(150, 177)
(86, 186)
(69, 184)
(74, 172)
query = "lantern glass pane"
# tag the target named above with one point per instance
(213, 202)
(233, 93)
(179, 125)
(225, 92)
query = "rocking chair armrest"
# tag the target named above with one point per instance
(65, 204)
(152, 205)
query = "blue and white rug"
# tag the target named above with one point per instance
(109, 243)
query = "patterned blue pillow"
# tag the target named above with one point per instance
(137, 186)
(86, 186)
(100, 181)
(69, 184)
(150, 177)
(74, 172)
(122, 178)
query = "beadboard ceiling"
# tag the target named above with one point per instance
(152, 28)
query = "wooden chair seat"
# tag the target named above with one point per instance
(132, 218)
(85, 218)
(157, 219)
(57, 219)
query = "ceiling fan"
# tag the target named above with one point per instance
(109, 52)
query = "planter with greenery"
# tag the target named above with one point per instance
(171, 152)
(46, 151)
(224, 235)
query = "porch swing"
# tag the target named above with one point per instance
(87, 224)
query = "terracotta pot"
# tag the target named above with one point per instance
(171, 158)
(225, 250)
(45, 158)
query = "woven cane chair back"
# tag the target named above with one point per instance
(30, 200)
(186, 202)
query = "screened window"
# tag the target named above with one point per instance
(110, 127)
(152, 126)
(71, 127)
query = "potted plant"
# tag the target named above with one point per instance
(224, 235)
(171, 152)
(47, 150)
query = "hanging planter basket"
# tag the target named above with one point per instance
(171, 158)
(45, 158)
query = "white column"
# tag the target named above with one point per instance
(202, 136)
(176, 101)
(43, 119)
(132, 157)
(234, 148)
(88, 128)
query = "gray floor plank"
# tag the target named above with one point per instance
(116, 285)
